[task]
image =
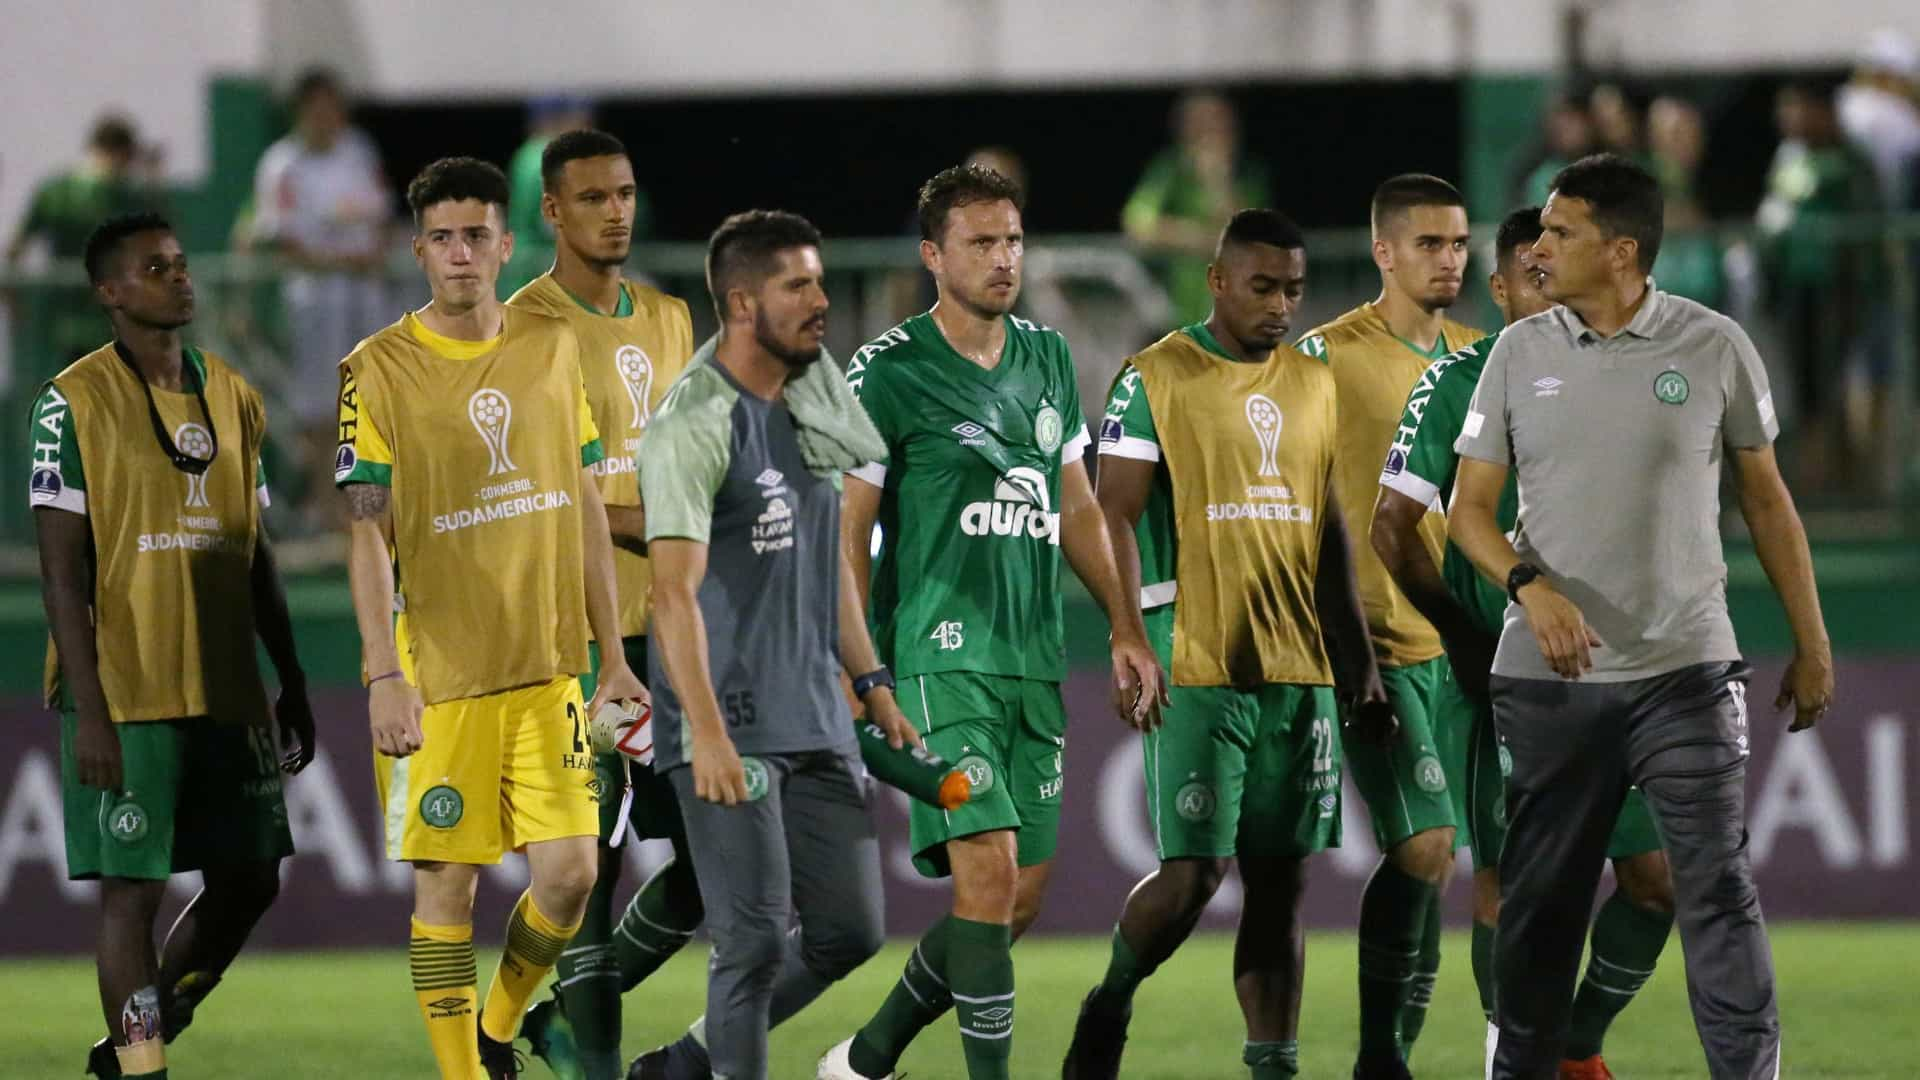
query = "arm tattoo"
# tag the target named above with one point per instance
(366, 502)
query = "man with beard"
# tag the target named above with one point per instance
(634, 341)
(984, 487)
(757, 611)
(1378, 352)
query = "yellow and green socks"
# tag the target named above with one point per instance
(447, 988)
(534, 943)
(980, 977)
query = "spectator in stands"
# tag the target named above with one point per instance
(1690, 257)
(1823, 281)
(320, 199)
(1187, 194)
(64, 210)
(1880, 111)
(547, 116)
(1616, 121)
(1566, 137)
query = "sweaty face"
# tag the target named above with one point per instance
(1572, 256)
(1256, 289)
(790, 307)
(1520, 295)
(977, 261)
(1425, 252)
(462, 246)
(591, 208)
(150, 285)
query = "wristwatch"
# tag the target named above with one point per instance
(1522, 575)
(872, 680)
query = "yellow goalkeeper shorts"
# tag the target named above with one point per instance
(495, 773)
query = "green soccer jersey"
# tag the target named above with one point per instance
(968, 577)
(1421, 464)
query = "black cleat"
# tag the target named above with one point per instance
(1098, 1038)
(682, 1060)
(102, 1061)
(651, 1065)
(500, 1060)
(1392, 1068)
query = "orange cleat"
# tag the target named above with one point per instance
(1593, 1068)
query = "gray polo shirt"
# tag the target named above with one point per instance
(1617, 443)
(723, 467)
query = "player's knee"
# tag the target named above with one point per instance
(1646, 882)
(131, 898)
(566, 883)
(253, 890)
(1195, 880)
(1426, 855)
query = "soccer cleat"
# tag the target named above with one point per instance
(1099, 1035)
(1382, 1069)
(549, 1033)
(836, 1064)
(680, 1060)
(1593, 1068)
(499, 1060)
(102, 1061)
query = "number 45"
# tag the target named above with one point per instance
(949, 634)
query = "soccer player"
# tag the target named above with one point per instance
(1233, 539)
(634, 341)
(1618, 663)
(741, 476)
(1632, 925)
(157, 575)
(466, 447)
(985, 439)
(1378, 351)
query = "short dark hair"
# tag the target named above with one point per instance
(1521, 228)
(1625, 198)
(574, 146)
(316, 80)
(112, 133)
(454, 179)
(1399, 194)
(744, 247)
(1259, 226)
(105, 240)
(958, 186)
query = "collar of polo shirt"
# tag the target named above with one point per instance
(1641, 326)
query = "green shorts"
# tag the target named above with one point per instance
(1010, 734)
(1405, 785)
(655, 812)
(1241, 772)
(194, 794)
(1487, 764)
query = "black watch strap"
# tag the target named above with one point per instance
(1522, 575)
(878, 677)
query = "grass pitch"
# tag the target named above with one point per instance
(1844, 990)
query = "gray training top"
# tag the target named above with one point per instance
(1617, 443)
(723, 467)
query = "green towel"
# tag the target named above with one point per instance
(835, 432)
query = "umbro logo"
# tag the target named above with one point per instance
(1547, 387)
(994, 1015)
(968, 430)
(770, 478)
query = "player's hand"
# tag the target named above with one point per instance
(617, 683)
(96, 751)
(718, 775)
(1562, 631)
(884, 710)
(394, 707)
(1139, 685)
(1807, 686)
(294, 713)
(1370, 718)
(1471, 657)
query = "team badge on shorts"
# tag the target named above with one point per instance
(1047, 429)
(1428, 774)
(1196, 802)
(1670, 387)
(758, 780)
(980, 771)
(1506, 761)
(127, 822)
(442, 807)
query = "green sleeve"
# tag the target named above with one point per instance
(57, 479)
(684, 458)
(1127, 428)
(1149, 198)
(526, 186)
(1422, 463)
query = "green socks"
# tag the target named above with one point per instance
(917, 999)
(1426, 969)
(1393, 919)
(660, 919)
(1125, 972)
(1626, 942)
(1273, 1060)
(980, 977)
(587, 987)
(1483, 966)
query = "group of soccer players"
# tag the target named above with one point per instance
(1263, 539)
